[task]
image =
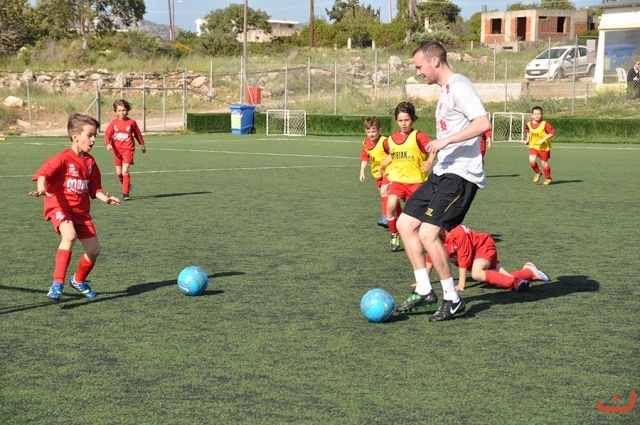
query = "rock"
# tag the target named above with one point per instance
(13, 101)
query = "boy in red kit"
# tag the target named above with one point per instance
(68, 181)
(119, 137)
(476, 251)
(408, 164)
(373, 151)
(539, 134)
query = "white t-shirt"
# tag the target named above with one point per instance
(458, 105)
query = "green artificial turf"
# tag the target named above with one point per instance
(289, 239)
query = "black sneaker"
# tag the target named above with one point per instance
(126, 197)
(447, 310)
(417, 301)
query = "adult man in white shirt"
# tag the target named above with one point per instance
(444, 199)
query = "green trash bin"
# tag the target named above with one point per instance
(242, 119)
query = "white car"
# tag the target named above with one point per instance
(558, 62)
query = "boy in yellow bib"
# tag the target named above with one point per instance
(539, 134)
(407, 165)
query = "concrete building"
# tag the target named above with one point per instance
(507, 29)
(279, 28)
(618, 43)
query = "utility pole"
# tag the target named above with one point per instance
(171, 34)
(311, 24)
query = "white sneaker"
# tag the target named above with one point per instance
(539, 274)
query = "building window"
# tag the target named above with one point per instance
(561, 22)
(496, 26)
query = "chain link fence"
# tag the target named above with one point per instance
(362, 83)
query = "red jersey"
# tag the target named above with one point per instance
(462, 244)
(72, 180)
(121, 133)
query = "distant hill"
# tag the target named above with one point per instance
(161, 30)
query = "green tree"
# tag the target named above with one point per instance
(439, 11)
(230, 20)
(557, 4)
(522, 6)
(408, 18)
(357, 23)
(475, 26)
(17, 25)
(222, 27)
(62, 18)
(351, 10)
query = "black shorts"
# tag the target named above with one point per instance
(441, 200)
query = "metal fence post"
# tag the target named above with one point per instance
(185, 99)
(495, 59)
(506, 82)
(576, 53)
(29, 106)
(389, 86)
(335, 88)
(164, 102)
(309, 78)
(144, 102)
(98, 102)
(375, 70)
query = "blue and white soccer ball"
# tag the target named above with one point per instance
(192, 281)
(377, 305)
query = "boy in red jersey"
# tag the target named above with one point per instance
(68, 181)
(373, 151)
(476, 251)
(408, 164)
(119, 137)
(539, 134)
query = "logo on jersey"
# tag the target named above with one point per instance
(73, 171)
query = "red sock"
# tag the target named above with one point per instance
(502, 280)
(392, 225)
(84, 268)
(547, 172)
(398, 210)
(126, 180)
(534, 167)
(63, 258)
(384, 205)
(525, 274)
(121, 178)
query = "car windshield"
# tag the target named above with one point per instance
(555, 54)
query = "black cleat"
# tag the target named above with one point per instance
(447, 310)
(416, 301)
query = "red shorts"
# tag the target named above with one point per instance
(488, 251)
(82, 223)
(543, 155)
(121, 155)
(403, 190)
(382, 181)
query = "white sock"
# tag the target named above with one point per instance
(449, 290)
(423, 286)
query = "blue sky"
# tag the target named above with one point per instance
(187, 11)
